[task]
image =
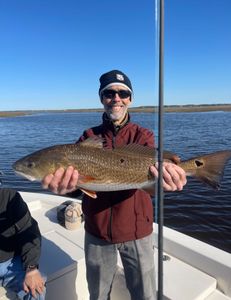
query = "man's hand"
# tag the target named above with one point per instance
(33, 283)
(61, 182)
(174, 177)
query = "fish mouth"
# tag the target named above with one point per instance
(27, 176)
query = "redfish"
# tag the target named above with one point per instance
(122, 168)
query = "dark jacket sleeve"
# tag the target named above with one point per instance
(27, 234)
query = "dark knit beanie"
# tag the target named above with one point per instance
(112, 78)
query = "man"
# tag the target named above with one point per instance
(20, 246)
(121, 220)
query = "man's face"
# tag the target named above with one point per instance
(116, 100)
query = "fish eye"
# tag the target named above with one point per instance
(30, 165)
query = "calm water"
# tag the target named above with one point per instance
(198, 210)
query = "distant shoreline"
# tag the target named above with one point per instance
(143, 109)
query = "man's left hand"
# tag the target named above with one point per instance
(174, 177)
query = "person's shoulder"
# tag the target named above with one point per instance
(95, 130)
(7, 198)
(7, 193)
(90, 132)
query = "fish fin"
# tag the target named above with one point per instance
(150, 190)
(208, 168)
(168, 155)
(91, 194)
(85, 179)
(93, 142)
(136, 149)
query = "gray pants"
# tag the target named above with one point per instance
(138, 262)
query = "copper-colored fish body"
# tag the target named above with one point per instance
(122, 168)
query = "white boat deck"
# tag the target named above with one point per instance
(62, 261)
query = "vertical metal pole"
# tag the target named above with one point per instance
(160, 152)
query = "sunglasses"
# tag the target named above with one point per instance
(111, 94)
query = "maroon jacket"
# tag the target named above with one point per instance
(122, 215)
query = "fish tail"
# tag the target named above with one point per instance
(208, 168)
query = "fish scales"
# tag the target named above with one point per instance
(108, 167)
(122, 168)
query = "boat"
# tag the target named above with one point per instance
(192, 270)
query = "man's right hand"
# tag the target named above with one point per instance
(61, 182)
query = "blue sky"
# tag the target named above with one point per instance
(53, 51)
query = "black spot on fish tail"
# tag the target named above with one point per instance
(199, 163)
(210, 168)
